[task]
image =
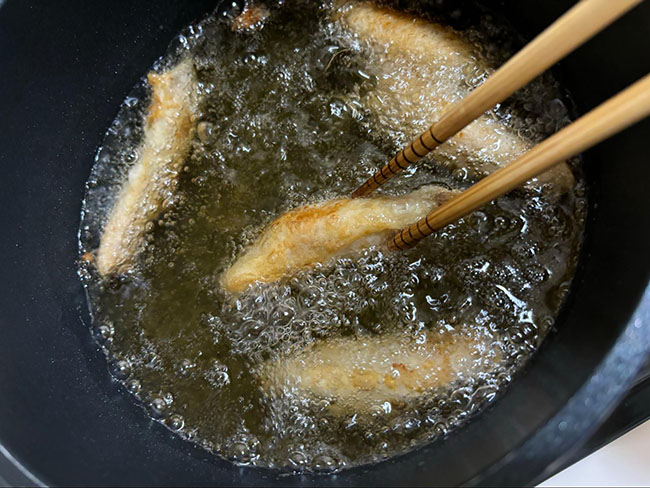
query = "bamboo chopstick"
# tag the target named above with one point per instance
(571, 30)
(614, 115)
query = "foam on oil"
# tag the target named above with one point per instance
(282, 123)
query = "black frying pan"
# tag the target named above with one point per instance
(66, 66)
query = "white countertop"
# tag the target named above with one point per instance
(624, 462)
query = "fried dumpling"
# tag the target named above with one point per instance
(421, 67)
(316, 233)
(151, 182)
(358, 373)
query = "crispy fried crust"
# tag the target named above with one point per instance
(150, 183)
(421, 73)
(251, 18)
(358, 373)
(316, 233)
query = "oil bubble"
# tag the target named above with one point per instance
(158, 407)
(440, 429)
(186, 367)
(205, 131)
(134, 386)
(324, 463)
(239, 453)
(297, 460)
(411, 425)
(104, 333)
(120, 369)
(175, 422)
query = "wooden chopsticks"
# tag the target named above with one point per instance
(571, 30)
(617, 113)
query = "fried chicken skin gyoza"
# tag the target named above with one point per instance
(151, 182)
(319, 232)
(357, 374)
(420, 69)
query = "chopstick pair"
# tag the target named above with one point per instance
(571, 30)
(612, 116)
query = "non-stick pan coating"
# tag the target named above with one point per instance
(66, 66)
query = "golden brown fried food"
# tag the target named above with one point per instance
(251, 18)
(151, 182)
(316, 233)
(421, 67)
(358, 373)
